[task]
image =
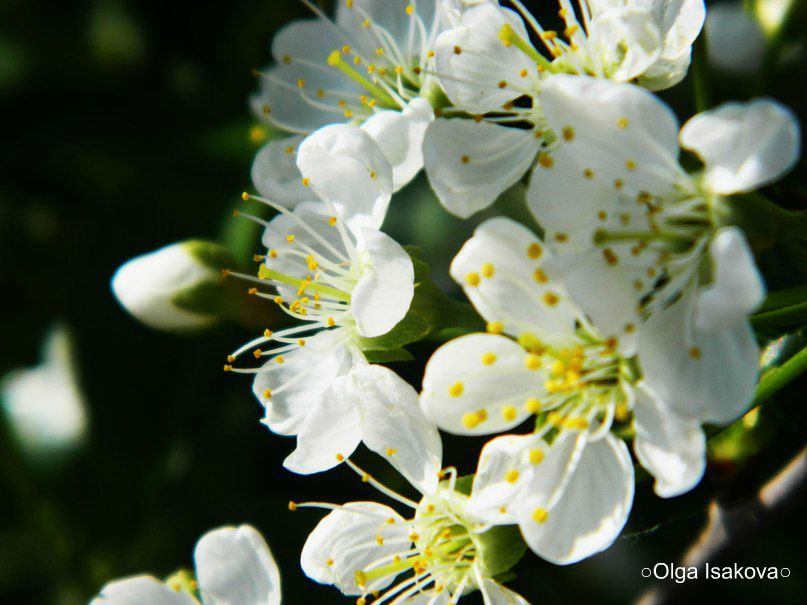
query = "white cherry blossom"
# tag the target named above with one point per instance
(490, 68)
(233, 565)
(646, 241)
(371, 65)
(435, 555)
(344, 281)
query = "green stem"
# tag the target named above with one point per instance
(785, 316)
(778, 378)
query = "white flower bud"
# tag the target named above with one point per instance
(147, 286)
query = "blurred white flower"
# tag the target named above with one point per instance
(646, 242)
(44, 405)
(363, 548)
(233, 565)
(148, 286)
(735, 41)
(345, 281)
(487, 65)
(372, 65)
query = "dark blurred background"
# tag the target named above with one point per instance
(126, 128)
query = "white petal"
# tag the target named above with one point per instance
(737, 289)
(469, 164)
(234, 565)
(400, 135)
(394, 427)
(140, 590)
(464, 395)
(543, 471)
(666, 73)
(671, 447)
(592, 511)
(606, 292)
(503, 270)
(628, 38)
(735, 41)
(349, 170)
(707, 375)
(348, 541)
(494, 593)
(146, 285)
(275, 237)
(310, 371)
(382, 296)
(275, 174)
(617, 130)
(473, 62)
(300, 51)
(330, 429)
(429, 597)
(391, 15)
(744, 145)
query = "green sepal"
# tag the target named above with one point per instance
(431, 311)
(209, 254)
(204, 298)
(381, 356)
(499, 548)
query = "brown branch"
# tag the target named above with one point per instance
(729, 528)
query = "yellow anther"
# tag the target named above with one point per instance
(618, 184)
(430, 54)
(588, 173)
(472, 279)
(523, 73)
(339, 458)
(473, 419)
(278, 300)
(266, 110)
(306, 182)
(495, 327)
(391, 520)
(312, 263)
(391, 451)
(695, 353)
(430, 508)
(549, 35)
(456, 389)
(292, 505)
(379, 540)
(379, 51)
(568, 133)
(532, 405)
(410, 8)
(279, 360)
(503, 84)
(551, 299)
(361, 579)
(228, 367)
(332, 221)
(545, 160)
(536, 456)
(509, 413)
(532, 361)
(349, 3)
(558, 368)
(414, 537)
(273, 253)
(257, 353)
(245, 196)
(488, 270)
(622, 123)
(540, 276)
(267, 394)
(365, 23)
(252, 291)
(540, 515)
(361, 601)
(399, 70)
(348, 113)
(578, 423)
(465, 159)
(534, 250)
(630, 164)
(331, 322)
(489, 359)
(301, 342)
(555, 418)
(512, 476)
(301, 83)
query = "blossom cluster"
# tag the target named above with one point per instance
(622, 320)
